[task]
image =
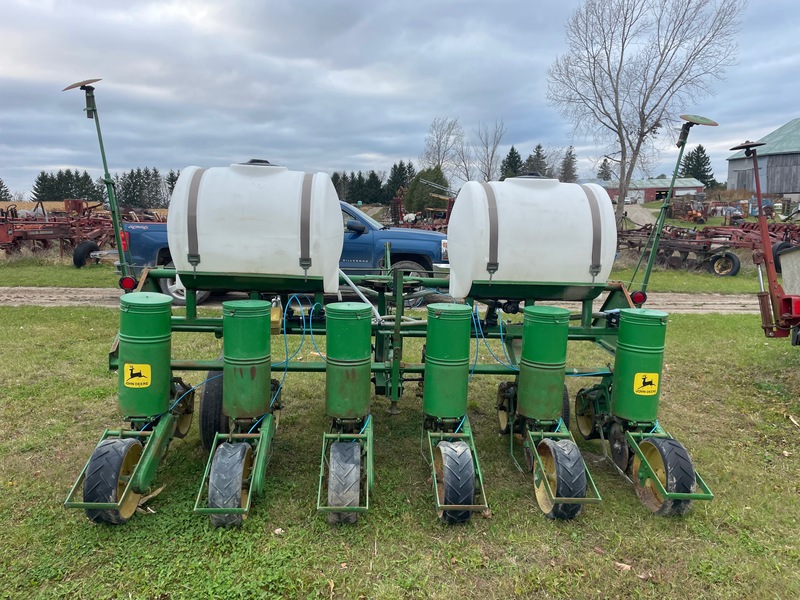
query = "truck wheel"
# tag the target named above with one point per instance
(80, 256)
(414, 269)
(174, 288)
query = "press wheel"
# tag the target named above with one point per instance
(344, 480)
(107, 474)
(228, 482)
(455, 479)
(672, 466)
(566, 475)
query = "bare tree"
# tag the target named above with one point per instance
(444, 136)
(632, 65)
(485, 149)
(464, 161)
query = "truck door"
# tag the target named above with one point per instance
(358, 247)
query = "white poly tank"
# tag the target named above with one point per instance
(546, 231)
(248, 219)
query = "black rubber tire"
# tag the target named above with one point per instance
(726, 264)
(777, 248)
(167, 286)
(565, 407)
(230, 469)
(455, 474)
(678, 476)
(212, 420)
(409, 267)
(80, 256)
(569, 475)
(344, 480)
(111, 460)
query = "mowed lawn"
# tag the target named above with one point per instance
(729, 395)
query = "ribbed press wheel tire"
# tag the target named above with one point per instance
(455, 475)
(111, 463)
(673, 467)
(344, 480)
(566, 475)
(80, 256)
(212, 420)
(226, 482)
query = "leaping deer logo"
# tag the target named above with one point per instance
(134, 374)
(646, 382)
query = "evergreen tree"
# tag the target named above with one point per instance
(398, 177)
(411, 172)
(604, 171)
(536, 163)
(355, 192)
(697, 164)
(512, 164)
(418, 195)
(373, 189)
(5, 194)
(568, 173)
(171, 179)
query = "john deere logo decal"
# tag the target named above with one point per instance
(645, 384)
(136, 376)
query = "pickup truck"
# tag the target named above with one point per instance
(415, 251)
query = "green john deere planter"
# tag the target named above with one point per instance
(238, 460)
(346, 462)
(456, 472)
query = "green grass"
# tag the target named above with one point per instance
(54, 271)
(727, 394)
(691, 282)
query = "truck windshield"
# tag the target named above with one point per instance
(372, 222)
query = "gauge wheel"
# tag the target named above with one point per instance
(344, 480)
(566, 475)
(107, 474)
(212, 420)
(455, 479)
(672, 466)
(505, 406)
(585, 416)
(620, 452)
(228, 482)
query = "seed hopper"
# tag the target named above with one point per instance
(289, 280)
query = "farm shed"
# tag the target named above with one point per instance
(778, 163)
(650, 190)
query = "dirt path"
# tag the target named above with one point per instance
(674, 303)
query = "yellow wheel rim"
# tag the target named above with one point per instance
(548, 462)
(648, 492)
(129, 463)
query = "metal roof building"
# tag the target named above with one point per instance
(650, 190)
(778, 163)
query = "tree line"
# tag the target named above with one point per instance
(137, 188)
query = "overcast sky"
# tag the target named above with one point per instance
(326, 84)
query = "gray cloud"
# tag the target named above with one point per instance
(320, 85)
